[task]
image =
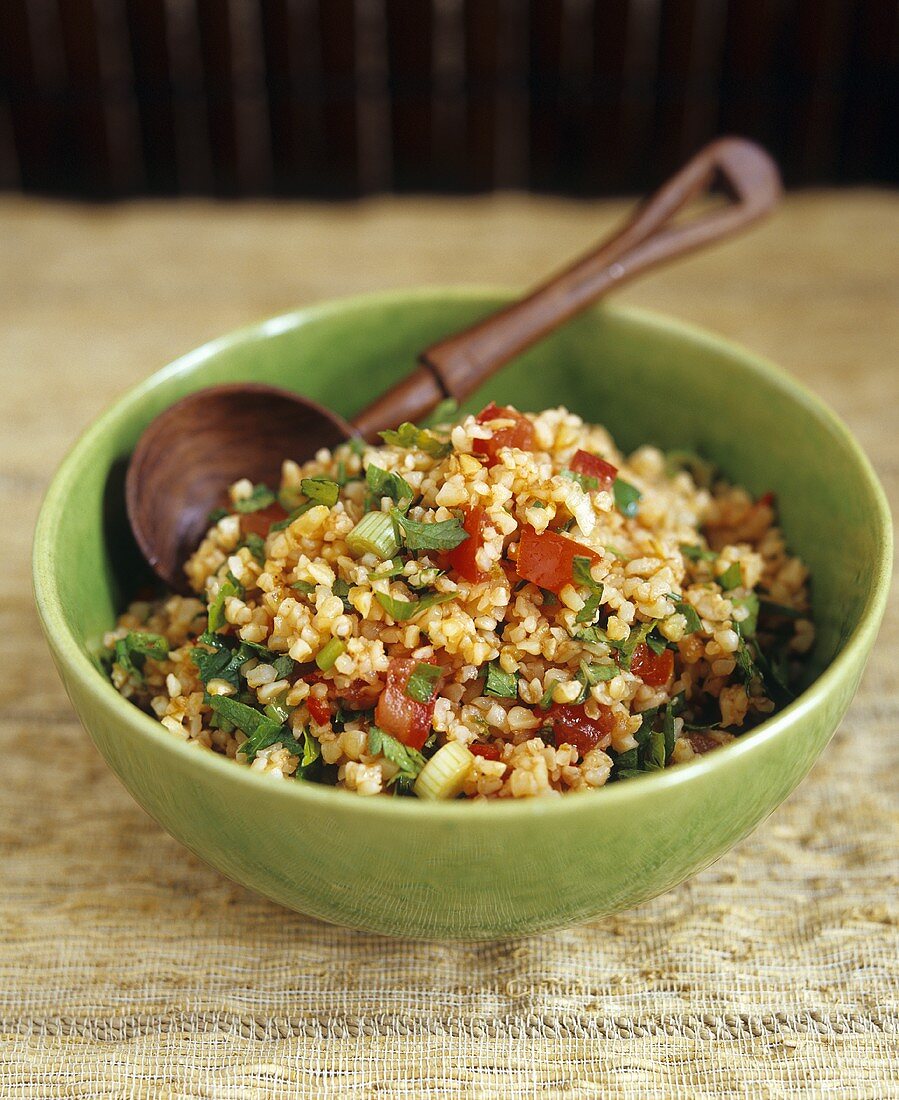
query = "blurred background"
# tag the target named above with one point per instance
(338, 98)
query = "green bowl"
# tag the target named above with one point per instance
(481, 870)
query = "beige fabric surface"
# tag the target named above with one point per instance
(130, 969)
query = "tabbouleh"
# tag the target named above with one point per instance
(502, 607)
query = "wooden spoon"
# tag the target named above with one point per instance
(193, 450)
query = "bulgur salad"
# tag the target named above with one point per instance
(500, 607)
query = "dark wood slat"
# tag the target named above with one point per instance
(638, 94)
(410, 25)
(213, 21)
(448, 102)
(481, 29)
(870, 122)
(748, 85)
(339, 168)
(610, 145)
(27, 122)
(545, 54)
(148, 34)
(88, 139)
(512, 131)
(690, 51)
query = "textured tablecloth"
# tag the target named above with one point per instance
(130, 969)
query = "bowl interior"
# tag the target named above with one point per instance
(649, 380)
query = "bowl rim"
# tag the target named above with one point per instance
(70, 655)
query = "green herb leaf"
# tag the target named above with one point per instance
(261, 732)
(217, 607)
(589, 612)
(403, 610)
(256, 545)
(546, 700)
(580, 572)
(751, 602)
(550, 599)
(388, 569)
(215, 515)
(656, 643)
(422, 682)
(384, 484)
(587, 483)
(409, 761)
(697, 553)
(357, 445)
(443, 535)
(130, 652)
(306, 587)
(732, 577)
(626, 649)
(409, 436)
(321, 490)
(261, 497)
(626, 496)
(689, 612)
(502, 685)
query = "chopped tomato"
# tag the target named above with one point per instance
(360, 695)
(319, 710)
(520, 434)
(463, 558)
(399, 715)
(547, 560)
(571, 726)
(768, 499)
(593, 466)
(258, 523)
(653, 669)
(489, 752)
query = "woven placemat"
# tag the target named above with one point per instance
(130, 969)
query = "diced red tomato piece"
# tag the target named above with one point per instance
(318, 710)
(768, 499)
(547, 560)
(488, 752)
(404, 718)
(360, 695)
(653, 669)
(463, 558)
(520, 434)
(571, 726)
(593, 466)
(258, 523)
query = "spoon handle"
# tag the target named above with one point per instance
(457, 365)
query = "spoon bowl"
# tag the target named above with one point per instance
(185, 460)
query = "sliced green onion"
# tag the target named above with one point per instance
(329, 653)
(374, 534)
(445, 773)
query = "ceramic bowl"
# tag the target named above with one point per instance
(461, 869)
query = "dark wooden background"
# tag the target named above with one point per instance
(101, 98)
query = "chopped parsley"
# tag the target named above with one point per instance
(422, 682)
(732, 577)
(697, 553)
(580, 571)
(261, 497)
(228, 656)
(587, 483)
(446, 534)
(627, 496)
(262, 732)
(749, 625)
(500, 684)
(256, 545)
(689, 612)
(217, 607)
(409, 761)
(130, 652)
(409, 436)
(215, 515)
(295, 514)
(444, 413)
(403, 610)
(321, 490)
(384, 484)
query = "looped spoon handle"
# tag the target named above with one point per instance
(458, 365)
